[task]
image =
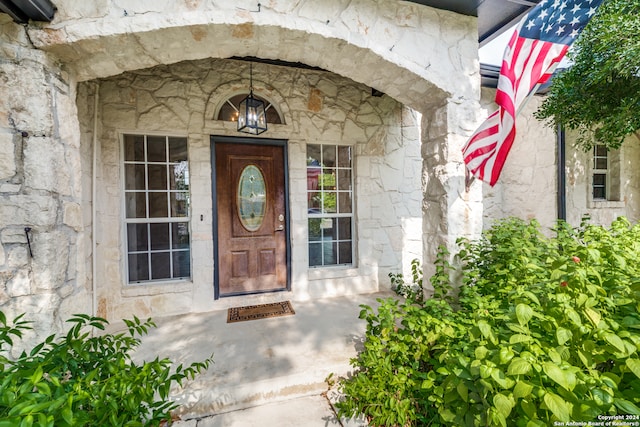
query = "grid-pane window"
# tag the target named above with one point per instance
(600, 174)
(156, 191)
(330, 204)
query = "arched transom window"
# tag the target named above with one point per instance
(229, 110)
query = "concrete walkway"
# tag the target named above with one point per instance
(265, 372)
(307, 411)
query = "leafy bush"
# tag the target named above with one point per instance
(541, 331)
(83, 380)
(412, 290)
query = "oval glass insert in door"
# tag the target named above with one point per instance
(251, 198)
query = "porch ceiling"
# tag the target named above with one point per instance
(22, 11)
(494, 16)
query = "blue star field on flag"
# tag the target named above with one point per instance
(559, 21)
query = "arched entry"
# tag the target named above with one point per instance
(423, 59)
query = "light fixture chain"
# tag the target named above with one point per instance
(251, 77)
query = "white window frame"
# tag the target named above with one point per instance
(330, 216)
(613, 184)
(598, 171)
(154, 220)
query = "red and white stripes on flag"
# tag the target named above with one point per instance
(538, 44)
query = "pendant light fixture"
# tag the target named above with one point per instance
(251, 112)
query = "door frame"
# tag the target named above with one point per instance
(213, 139)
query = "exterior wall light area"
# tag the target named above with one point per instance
(252, 118)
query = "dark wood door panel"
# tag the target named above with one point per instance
(250, 196)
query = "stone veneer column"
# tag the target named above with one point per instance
(449, 210)
(40, 188)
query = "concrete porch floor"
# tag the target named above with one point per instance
(260, 364)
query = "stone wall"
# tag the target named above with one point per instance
(579, 200)
(40, 188)
(318, 107)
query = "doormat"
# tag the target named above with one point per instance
(262, 311)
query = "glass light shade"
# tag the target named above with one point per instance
(251, 116)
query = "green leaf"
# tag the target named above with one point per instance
(37, 375)
(523, 313)
(573, 316)
(610, 379)
(518, 338)
(463, 391)
(485, 328)
(581, 300)
(67, 414)
(563, 335)
(522, 389)
(446, 414)
(518, 366)
(505, 354)
(594, 254)
(481, 352)
(554, 356)
(27, 421)
(529, 408)
(515, 327)
(485, 371)
(556, 274)
(593, 316)
(503, 404)
(532, 297)
(634, 366)
(500, 379)
(426, 384)
(615, 341)
(602, 397)
(556, 404)
(585, 358)
(563, 377)
(626, 407)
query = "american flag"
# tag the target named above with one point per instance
(538, 44)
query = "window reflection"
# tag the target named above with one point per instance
(156, 186)
(330, 204)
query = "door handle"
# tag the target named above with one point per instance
(280, 226)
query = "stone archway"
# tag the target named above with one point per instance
(422, 57)
(418, 55)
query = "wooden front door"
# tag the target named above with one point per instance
(250, 195)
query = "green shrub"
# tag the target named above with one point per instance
(411, 290)
(83, 380)
(541, 331)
